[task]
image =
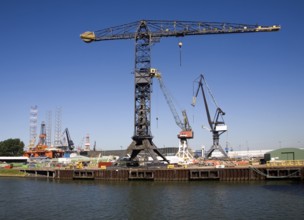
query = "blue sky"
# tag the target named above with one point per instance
(257, 79)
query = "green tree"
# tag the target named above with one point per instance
(11, 147)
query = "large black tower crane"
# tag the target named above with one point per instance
(145, 33)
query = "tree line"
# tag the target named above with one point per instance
(11, 147)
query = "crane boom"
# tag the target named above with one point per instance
(168, 99)
(200, 86)
(69, 140)
(186, 132)
(159, 28)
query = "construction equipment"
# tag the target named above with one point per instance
(68, 140)
(145, 33)
(183, 151)
(41, 149)
(42, 137)
(32, 144)
(79, 165)
(217, 125)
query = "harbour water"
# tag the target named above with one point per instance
(26, 198)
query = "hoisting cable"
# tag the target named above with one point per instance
(210, 93)
(180, 44)
(213, 99)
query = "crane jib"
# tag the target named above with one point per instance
(172, 29)
(181, 34)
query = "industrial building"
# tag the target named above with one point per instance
(285, 154)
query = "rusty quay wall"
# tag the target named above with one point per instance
(176, 174)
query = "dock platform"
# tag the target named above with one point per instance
(251, 173)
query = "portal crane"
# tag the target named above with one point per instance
(145, 33)
(217, 125)
(186, 131)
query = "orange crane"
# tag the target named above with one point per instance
(146, 33)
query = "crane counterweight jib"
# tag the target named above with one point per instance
(88, 36)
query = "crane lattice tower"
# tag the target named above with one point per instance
(57, 140)
(49, 129)
(33, 125)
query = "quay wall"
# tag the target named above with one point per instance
(176, 174)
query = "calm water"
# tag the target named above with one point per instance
(22, 198)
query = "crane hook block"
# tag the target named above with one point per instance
(88, 36)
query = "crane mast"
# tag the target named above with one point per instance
(145, 33)
(217, 125)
